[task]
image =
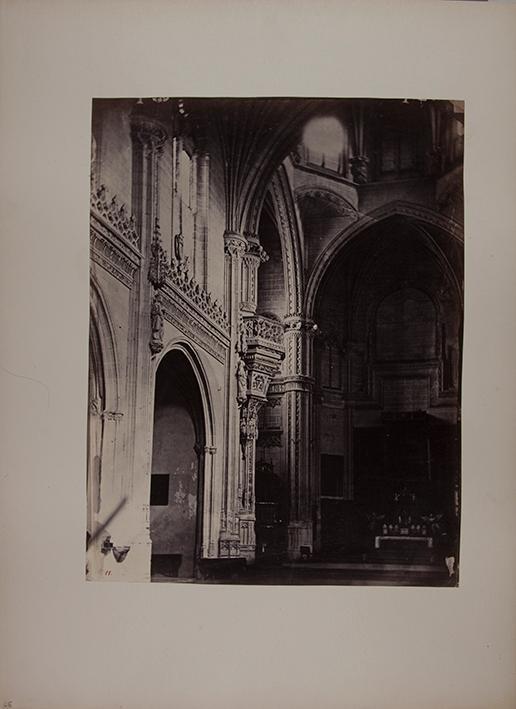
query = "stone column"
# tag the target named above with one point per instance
(234, 248)
(201, 220)
(298, 387)
(148, 139)
(261, 351)
(359, 162)
(210, 523)
(252, 259)
(246, 495)
(433, 154)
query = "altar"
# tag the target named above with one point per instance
(402, 538)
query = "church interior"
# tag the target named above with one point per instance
(275, 349)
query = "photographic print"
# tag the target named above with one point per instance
(275, 350)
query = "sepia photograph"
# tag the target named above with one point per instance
(257, 372)
(275, 348)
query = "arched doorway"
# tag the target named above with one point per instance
(178, 450)
(387, 372)
(96, 406)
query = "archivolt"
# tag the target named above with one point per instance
(397, 208)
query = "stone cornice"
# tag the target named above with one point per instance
(114, 216)
(184, 314)
(112, 252)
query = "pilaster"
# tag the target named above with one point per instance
(234, 249)
(261, 352)
(145, 335)
(298, 387)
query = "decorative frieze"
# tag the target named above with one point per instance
(175, 273)
(112, 253)
(183, 315)
(260, 327)
(180, 278)
(229, 548)
(115, 214)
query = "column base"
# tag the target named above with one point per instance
(229, 546)
(300, 540)
(247, 537)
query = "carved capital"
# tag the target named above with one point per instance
(234, 245)
(148, 133)
(300, 324)
(249, 419)
(255, 253)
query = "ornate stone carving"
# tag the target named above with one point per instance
(181, 313)
(110, 252)
(115, 214)
(242, 338)
(161, 271)
(178, 275)
(259, 382)
(261, 327)
(234, 245)
(150, 134)
(340, 205)
(248, 420)
(159, 267)
(229, 548)
(95, 407)
(112, 415)
(254, 250)
(359, 169)
(178, 246)
(241, 375)
(156, 343)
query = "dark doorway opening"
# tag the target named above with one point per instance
(176, 474)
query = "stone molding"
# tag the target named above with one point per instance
(112, 252)
(291, 249)
(115, 215)
(342, 206)
(175, 275)
(187, 318)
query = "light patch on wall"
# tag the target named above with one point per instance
(180, 495)
(192, 506)
(324, 136)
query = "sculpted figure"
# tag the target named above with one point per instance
(156, 343)
(241, 374)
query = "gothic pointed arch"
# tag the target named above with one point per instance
(430, 221)
(290, 232)
(182, 476)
